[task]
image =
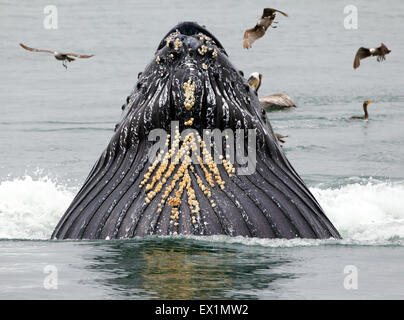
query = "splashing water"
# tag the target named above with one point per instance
(365, 212)
(30, 209)
(371, 213)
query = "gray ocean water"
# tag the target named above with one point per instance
(54, 124)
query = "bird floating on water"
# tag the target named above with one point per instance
(65, 57)
(277, 101)
(266, 20)
(365, 109)
(273, 102)
(363, 53)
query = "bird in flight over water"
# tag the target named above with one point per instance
(65, 57)
(363, 53)
(266, 20)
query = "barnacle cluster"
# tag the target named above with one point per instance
(177, 44)
(189, 88)
(169, 177)
(202, 50)
(189, 122)
(204, 37)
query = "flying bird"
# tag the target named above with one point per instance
(266, 20)
(363, 53)
(65, 57)
(365, 109)
(273, 102)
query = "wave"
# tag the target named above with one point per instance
(365, 213)
(373, 211)
(30, 209)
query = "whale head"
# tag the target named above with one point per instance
(190, 83)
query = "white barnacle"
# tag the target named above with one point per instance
(189, 88)
(177, 44)
(189, 122)
(202, 50)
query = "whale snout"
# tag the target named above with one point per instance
(189, 28)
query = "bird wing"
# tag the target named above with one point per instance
(79, 55)
(265, 22)
(383, 49)
(280, 137)
(362, 53)
(250, 35)
(35, 50)
(277, 100)
(269, 11)
(287, 101)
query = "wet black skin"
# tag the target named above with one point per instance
(273, 202)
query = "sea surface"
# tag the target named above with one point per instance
(54, 124)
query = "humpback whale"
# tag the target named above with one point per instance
(188, 186)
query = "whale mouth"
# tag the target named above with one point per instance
(189, 28)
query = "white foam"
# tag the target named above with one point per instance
(30, 209)
(365, 213)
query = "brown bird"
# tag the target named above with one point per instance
(266, 20)
(365, 109)
(273, 102)
(255, 80)
(363, 53)
(280, 137)
(65, 57)
(277, 101)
